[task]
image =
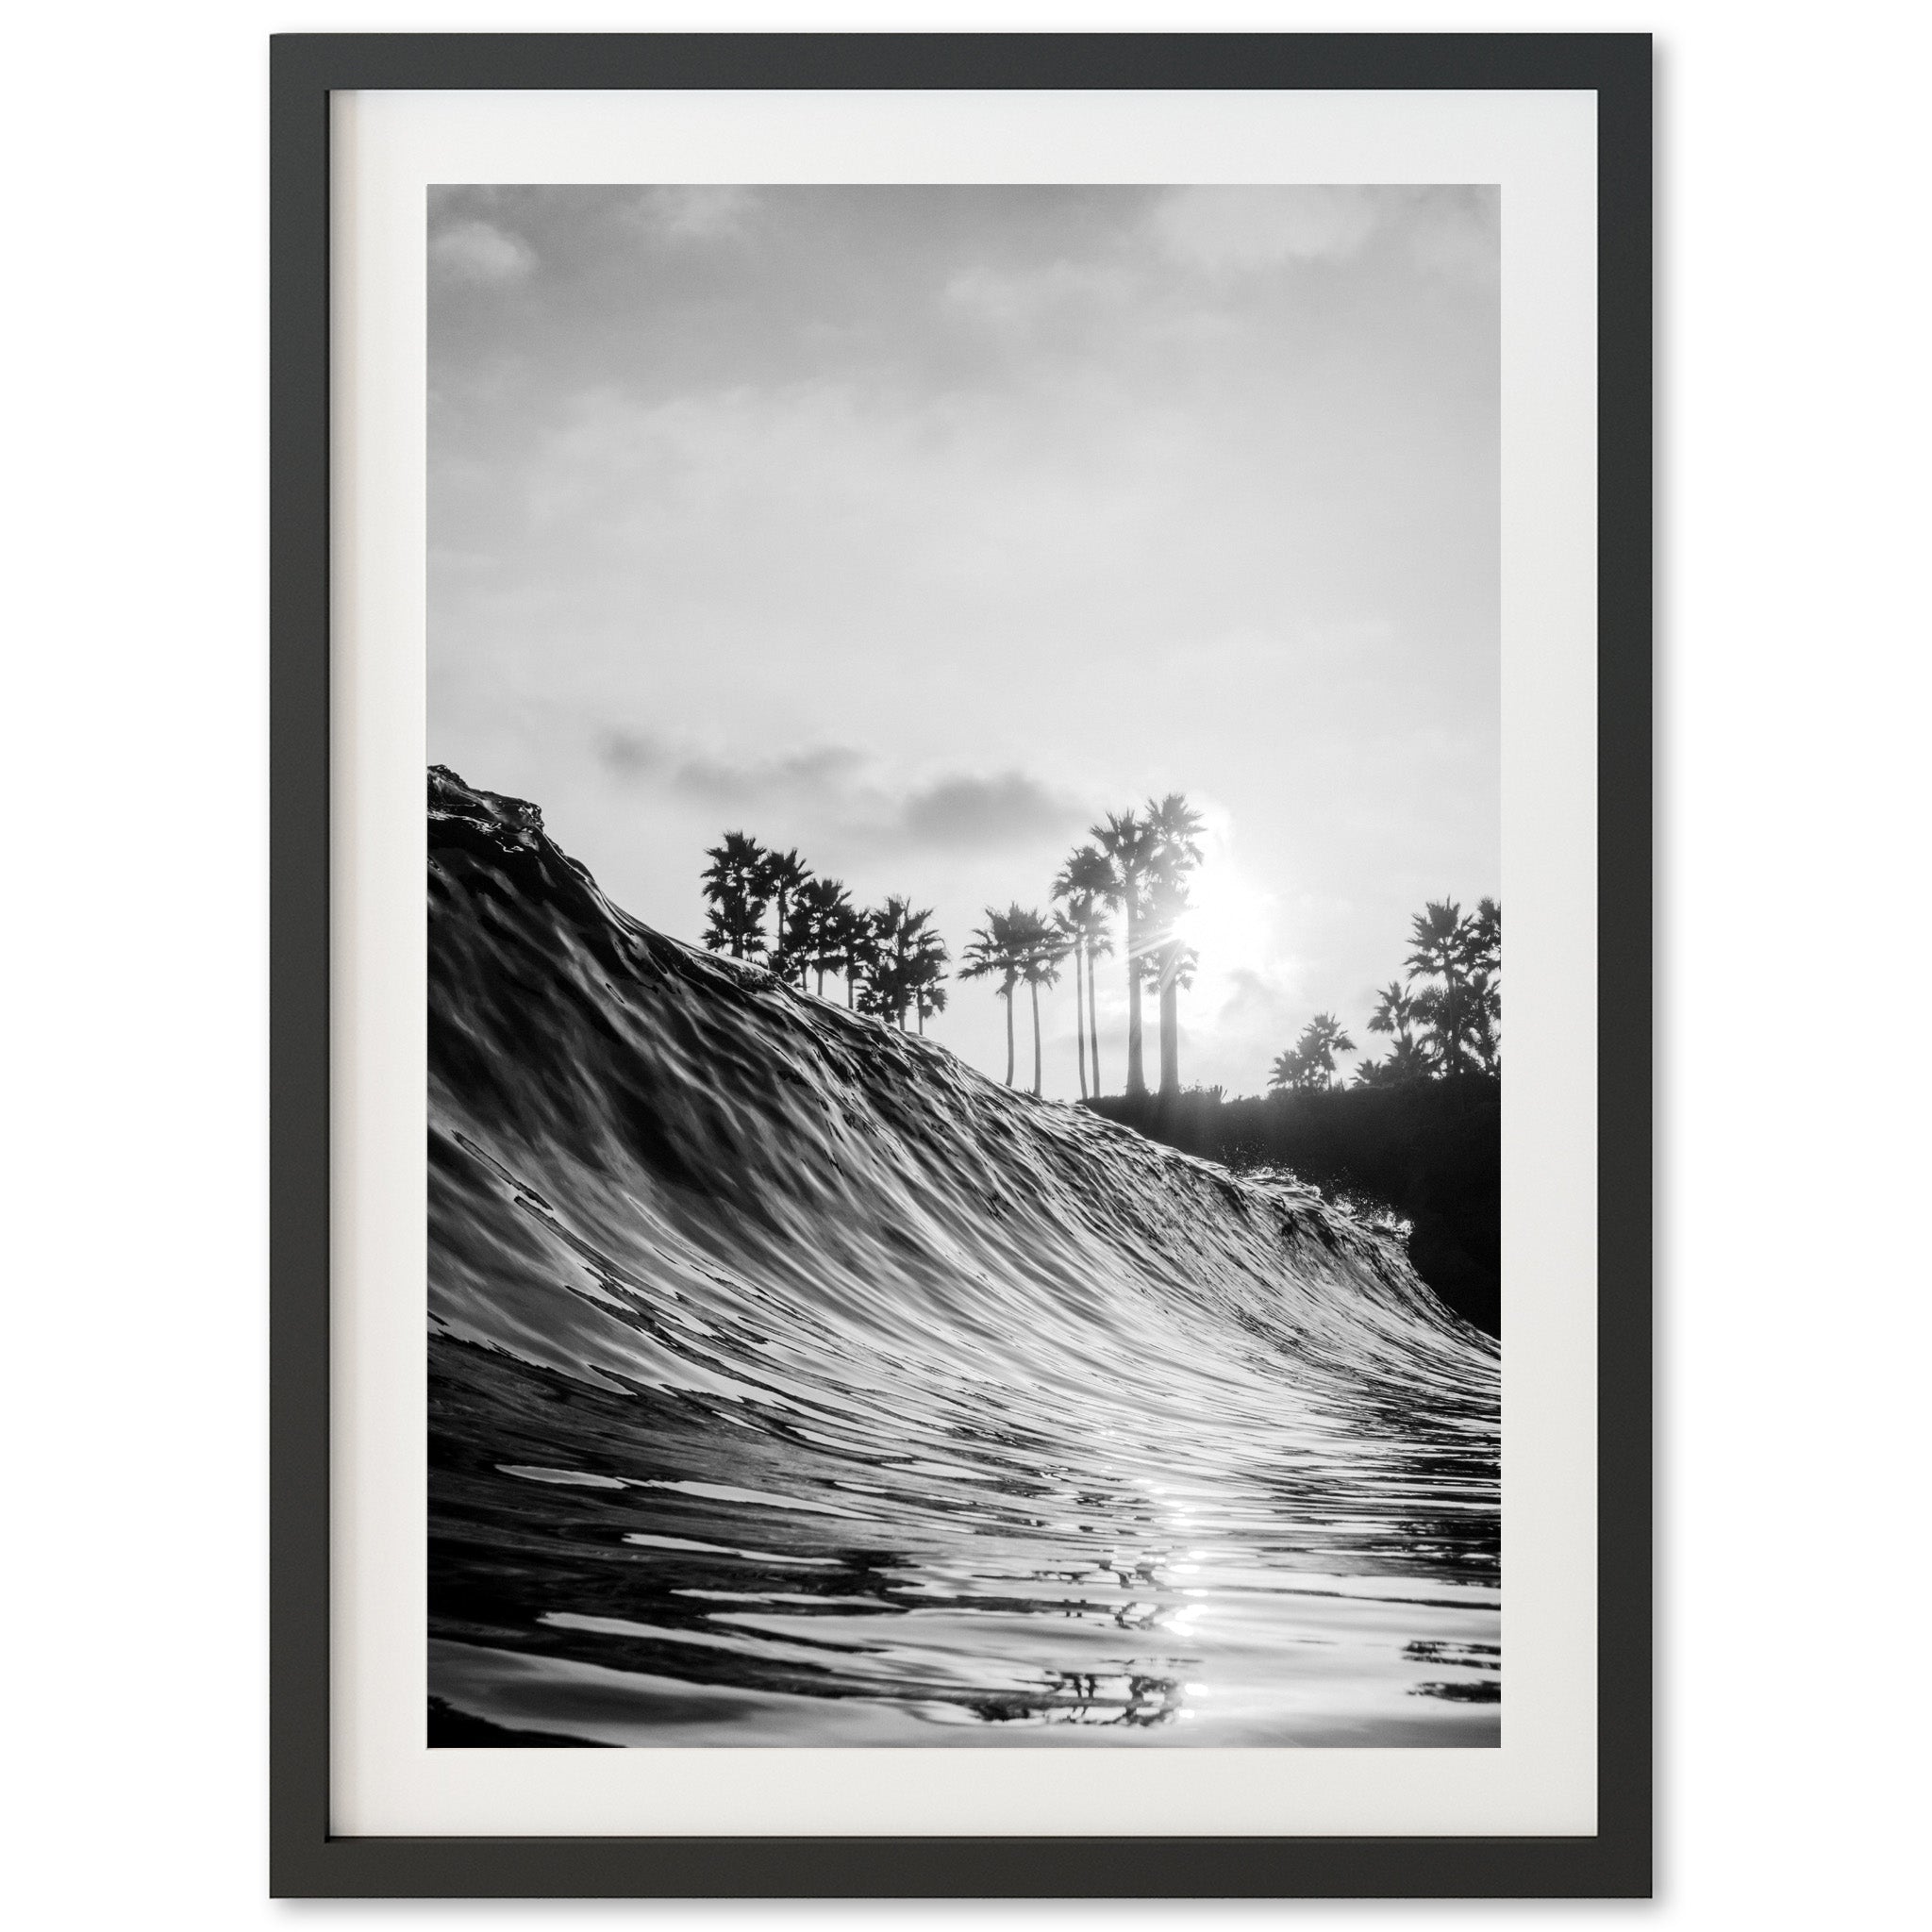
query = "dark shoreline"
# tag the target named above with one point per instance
(1430, 1150)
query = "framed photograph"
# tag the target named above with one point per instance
(908, 672)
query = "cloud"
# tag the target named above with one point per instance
(1458, 232)
(1017, 299)
(636, 756)
(961, 811)
(631, 755)
(820, 773)
(956, 811)
(1448, 231)
(696, 214)
(481, 253)
(1224, 229)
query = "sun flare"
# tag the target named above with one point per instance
(1227, 919)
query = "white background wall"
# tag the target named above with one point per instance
(1792, 641)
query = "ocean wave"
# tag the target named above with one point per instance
(792, 1382)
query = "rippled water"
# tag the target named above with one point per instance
(792, 1384)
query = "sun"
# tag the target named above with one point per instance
(1227, 919)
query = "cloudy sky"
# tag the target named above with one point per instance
(918, 526)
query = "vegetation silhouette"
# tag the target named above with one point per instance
(856, 950)
(1394, 1015)
(1309, 1063)
(1447, 1021)
(892, 958)
(1046, 946)
(1082, 888)
(1177, 827)
(1127, 844)
(1444, 1021)
(1137, 864)
(1011, 946)
(1417, 1131)
(783, 874)
(905, 963)
(815, 930)
(735, 887)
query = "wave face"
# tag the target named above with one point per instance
(790, 1382)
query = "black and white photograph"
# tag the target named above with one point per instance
(965, 966)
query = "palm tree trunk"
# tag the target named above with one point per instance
(1080, 1019)
(1137, 1080)
(1170, 1028)
(1010, 1036)
(1093, 1023)
(1033, 987)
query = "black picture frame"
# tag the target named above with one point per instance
(306, 1859)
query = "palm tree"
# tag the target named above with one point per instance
(734, 885)
(1129, 847)
(924, 958)
(1484, 959)
(996, 951)
(1068, 934)
(910, 955)
(1310, 1065)
(1395, 1012)
(1043, 947)
(1099, 946)
(1443, 944)
(1324, 1035)
(927, 997)
(814, 929)
(1394, 1015)
(1486, 938)
(783, 874)
(1084, 884)
(1451, 1022)
(1177, 828)
(1406, 1061)
(852, 950)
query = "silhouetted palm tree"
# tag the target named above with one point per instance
(1099, 938)
(1177, 828)
(1443, 945)
(853, 949)
(734, 885)
(928, 998)
(1310, 1064)
(814, 930)
(1043, 947)
(1069, 934)
(1082, 886)
(784, 873)
(1485, 956)
(997, 950)
(1406, 1061)
(926, 960)
(1129, 847)
(1394, 1015)
(910, 955)
(1395, 1011)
